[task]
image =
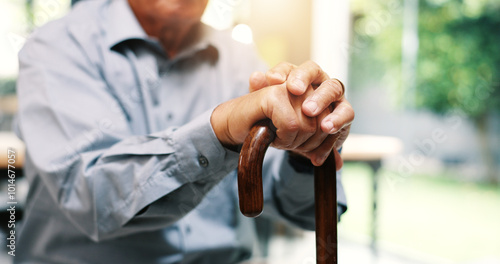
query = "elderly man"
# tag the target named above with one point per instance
(132, 113)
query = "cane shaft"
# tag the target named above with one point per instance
(325, 196)
(250, 190)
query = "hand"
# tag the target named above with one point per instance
(233, 120)
(328, 94)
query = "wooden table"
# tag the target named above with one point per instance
(371, 149)
(359, 147)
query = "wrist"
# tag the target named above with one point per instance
(232, 120)
(219, 122)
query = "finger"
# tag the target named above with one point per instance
(304, 75)
(312, 142)
(279, 73)
(342, 115)
(257, 81)
(330, 91)
(308, 128)
(344, 133)
(319, 155)
(315, 140)
(283, 116)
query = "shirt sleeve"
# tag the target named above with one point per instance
(98, 171)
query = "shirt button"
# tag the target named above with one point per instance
(170, 116)
(188, 229)
(203, 161)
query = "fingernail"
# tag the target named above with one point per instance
(320, 160)
(299, 84)
(329, 127)
(278, 76)
(311, 106)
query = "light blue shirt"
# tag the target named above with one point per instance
(123, 164)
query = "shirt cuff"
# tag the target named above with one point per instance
(198, 152)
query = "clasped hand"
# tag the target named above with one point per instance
(307, 108)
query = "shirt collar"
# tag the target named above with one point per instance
(123, 26)
(203, 34)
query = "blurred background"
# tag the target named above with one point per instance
(422, 166)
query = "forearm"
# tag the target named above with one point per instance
(103, 190)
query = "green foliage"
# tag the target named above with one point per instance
(7, 87)
(376, 46)
(459, 56)
(459, 53)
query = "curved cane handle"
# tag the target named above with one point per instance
(251, 196)
(250, 190)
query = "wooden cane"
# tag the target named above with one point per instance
(251, 196)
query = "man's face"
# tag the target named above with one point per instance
(170, 13)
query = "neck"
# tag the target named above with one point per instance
(173, 35)
(175, 39)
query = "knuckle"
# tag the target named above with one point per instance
(303, 148)
(311, 64)
(339, 84)
(314, 67)
(285, 64)
(256, 77)
(281, 64)
(269, 74)
(299, 72)
(288, 127)
(353, 114)
(332, 83)
(285, 144)
(338, 90)
(279, 92)
(310, 128)
(292, 126)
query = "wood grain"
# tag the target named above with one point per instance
(325, 196)
(250, 190)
